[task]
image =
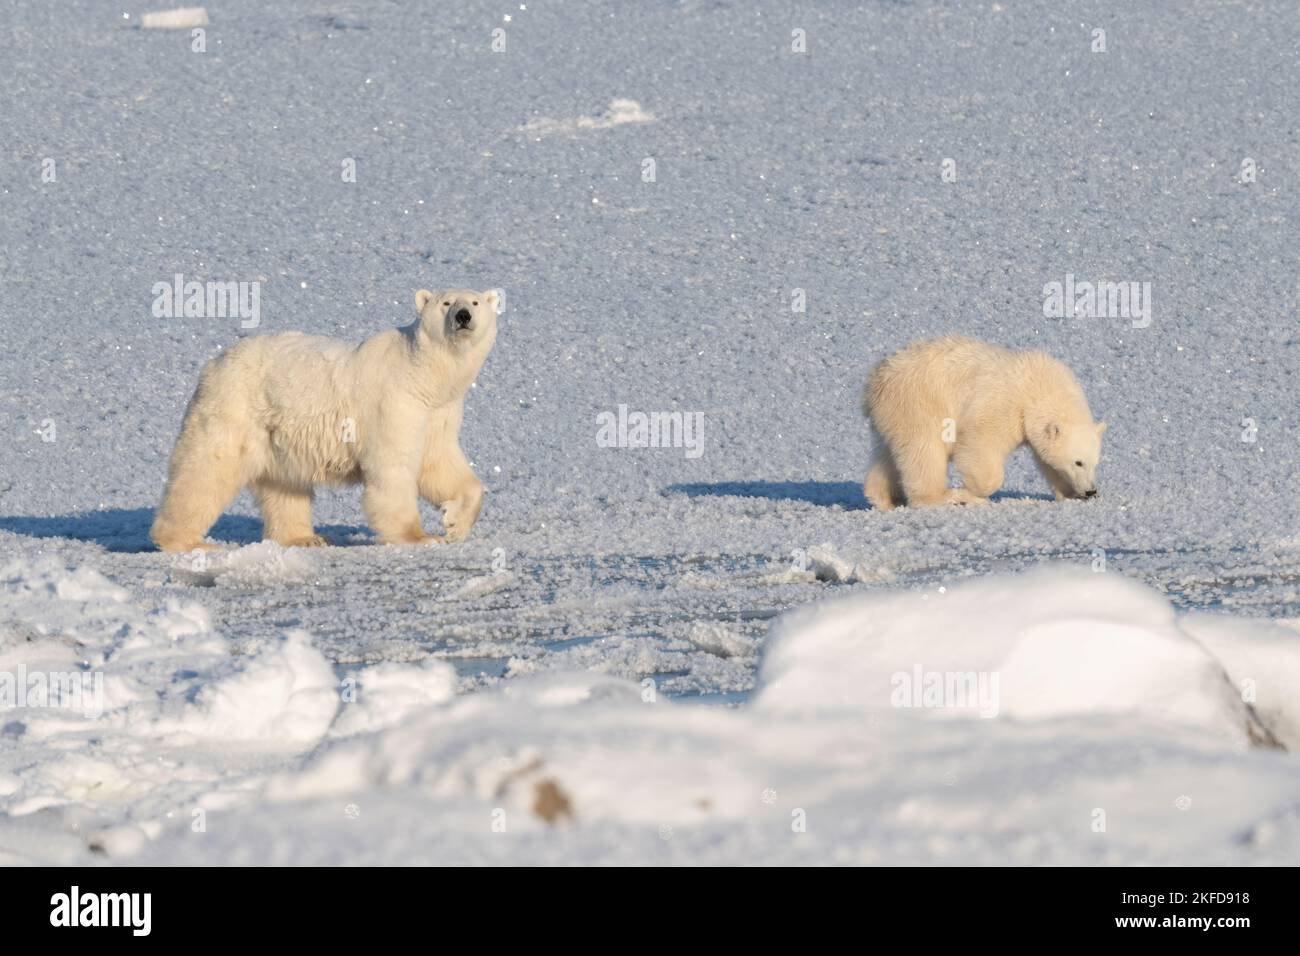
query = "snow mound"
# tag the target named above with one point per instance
(252, 566)
(1047, 644)
(1262, 661)
(590, 744)
(720, 640)
(827, 565)
(284, 696)
(385, 694)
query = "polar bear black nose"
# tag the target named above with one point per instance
(1090, 493)
(463, 319)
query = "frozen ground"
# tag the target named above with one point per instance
(774, 172)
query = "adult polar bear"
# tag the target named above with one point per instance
(279, 414)
(972, 403)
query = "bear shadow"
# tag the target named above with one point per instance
(825, 493)
(1021, 496)
(847, 494)
(127, 529)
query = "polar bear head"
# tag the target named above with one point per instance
(459, 318)
(1071, 450)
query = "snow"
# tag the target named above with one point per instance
(1103, 698)
(1258, 659)
(693, 648)
(1053, 644)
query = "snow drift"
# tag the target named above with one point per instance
(1046, 644)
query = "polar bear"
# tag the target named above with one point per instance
(972, 403)
(279, 414)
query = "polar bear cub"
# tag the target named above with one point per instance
(960, 400)
(280, 414)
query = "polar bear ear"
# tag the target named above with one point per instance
(496, 298)
(423, 298)
(1101, 429)
(1052, 431)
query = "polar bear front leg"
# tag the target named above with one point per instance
(960, 496)
(392, 507)
(1054, 480)
(460, 513)
(448, 482)
(982, 473)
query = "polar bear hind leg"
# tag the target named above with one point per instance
(883, 487)
(923, 471)
(207, 471)
(286, 515)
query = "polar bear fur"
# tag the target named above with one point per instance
(280, 414)
(960, 400)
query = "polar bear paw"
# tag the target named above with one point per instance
(456, 526)
(422, 540)
(414, 535)
(459, 517)
(960, 496)
(305, 541)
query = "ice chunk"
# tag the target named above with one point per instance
(182, 18)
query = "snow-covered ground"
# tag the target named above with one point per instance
(1054, 716)
(673, 657)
